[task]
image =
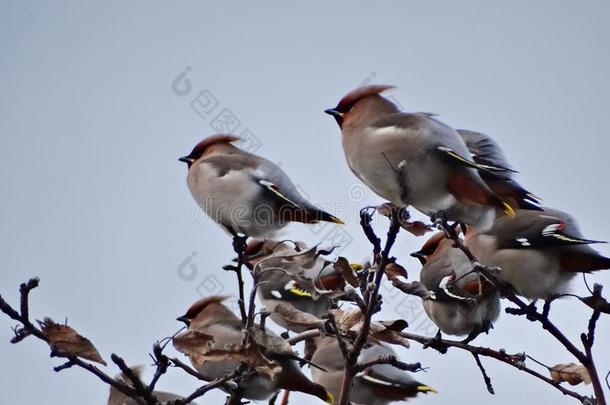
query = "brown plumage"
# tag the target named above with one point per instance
(210, 317)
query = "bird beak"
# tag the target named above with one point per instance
(419, 256)
(184, 319)
(338, 116)
(187, 160)
(334, 113)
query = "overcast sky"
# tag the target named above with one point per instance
(95, 202)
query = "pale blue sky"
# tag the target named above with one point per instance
(94, 200)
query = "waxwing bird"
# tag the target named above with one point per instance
(538, 252)
(377, 385)
(209, 317)
(413, 159)
(464, 303)
(487, 153)
(245, 193)
(116, 397)
(296, 275)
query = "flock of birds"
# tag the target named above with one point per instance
(409, 159)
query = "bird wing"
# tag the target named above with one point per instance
(487, 153)
(293, 206)
(485, 150)
(394, 382)
(539, 229)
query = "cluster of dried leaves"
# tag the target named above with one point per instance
(307, 266)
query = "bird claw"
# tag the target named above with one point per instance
(485, 328)
(239, 243)
(436, 343)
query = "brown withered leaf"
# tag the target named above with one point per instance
(200, 348)
(392, 337)
(385, 331)
(272, 343)
(395, 270)
(343, 266)
(194, 344)
(395, 325)
(386, 209)
(417, 228)
(597, 303)
(296, 318)
(413, 288)
(63, 339)
(310, 348)
(571, 373)
(347, 319)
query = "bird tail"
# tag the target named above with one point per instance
(584, 262)
(292, 379)
(426, 389)
(325, 216)
(307, 215)
(463, 186)
(510, 190)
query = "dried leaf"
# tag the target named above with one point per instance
(343, 266)
(386, 209)
(395, 270)
(392, 337)
(201, 349)
(63, 339)
(272, 343)
(597, 303)
(571, 373)
(417, 228)
(384, 331)
(347, 319)
(310, 348)
(413, 288)
(395, 325)
(194, 344)
(295, 318)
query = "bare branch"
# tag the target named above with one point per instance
(371, 296)
(392, 361)
(486, 378)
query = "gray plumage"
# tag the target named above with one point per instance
(303, 278)
(450, 312)
(412, 159)
(486, 152)
(243, 192)
(377, 385)
(538, 252)
(116, 397)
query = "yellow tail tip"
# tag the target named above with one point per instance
(509, 210)
(337, 220)
(534, 196)
(330, 399)
(426, 389)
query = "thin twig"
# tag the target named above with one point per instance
(392, 361)
(486, 378)
(136, 382)
(285, 398)
(530, 312)
(371, 298)
(515, 360)
(217, 383)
